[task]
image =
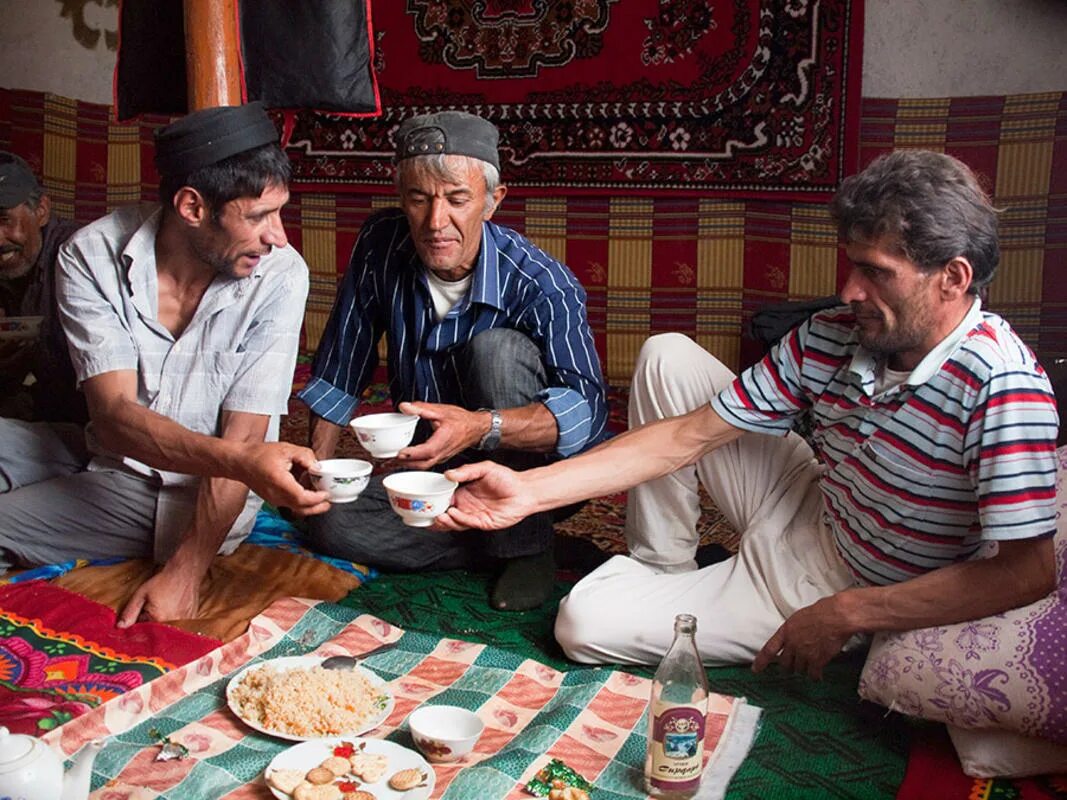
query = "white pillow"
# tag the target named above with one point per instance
(992, 753)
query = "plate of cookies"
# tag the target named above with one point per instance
(349, 768)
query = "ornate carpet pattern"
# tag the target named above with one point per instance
(698, 265)
(745, 97)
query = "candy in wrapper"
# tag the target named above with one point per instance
(169, 750)
(557, 777)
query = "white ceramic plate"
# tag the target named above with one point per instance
(303, 662)
(312, 753)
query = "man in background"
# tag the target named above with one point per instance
(488, 343)
(36, 377)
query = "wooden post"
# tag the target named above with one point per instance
(212, 65)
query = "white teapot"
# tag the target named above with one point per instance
(30, 770)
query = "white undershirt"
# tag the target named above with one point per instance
(446, 294)
(889, 379)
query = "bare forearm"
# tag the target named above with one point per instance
(323, 437)
(531, 428)
(1022, 573)
(219, 503)
(137, 432)
(639, 455)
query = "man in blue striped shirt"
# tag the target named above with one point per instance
(488, 343)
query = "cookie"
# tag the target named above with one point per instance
(309, 791)
(407, 779)
(371, 767)
(337, 765)
(319, 776)
(285, 780)
(359, 794)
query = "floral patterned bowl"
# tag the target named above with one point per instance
(384, 435)
(343, 478)
(444, 733)
(418, 497)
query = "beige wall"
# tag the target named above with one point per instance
(913, 48)
(961, 48)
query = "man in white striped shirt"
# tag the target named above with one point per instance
(183, 323)
(935, 431)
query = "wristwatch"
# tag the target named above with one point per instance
(491, 440)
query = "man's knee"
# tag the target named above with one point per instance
(667, 359)
(669, 350)
(591, 628)
(575, 630)
(502, 368)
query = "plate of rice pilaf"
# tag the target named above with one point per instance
(294, 698)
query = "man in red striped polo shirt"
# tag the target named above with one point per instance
(928, 498)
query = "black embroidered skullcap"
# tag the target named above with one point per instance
(450, 132)
(211, 135)
(17, 181)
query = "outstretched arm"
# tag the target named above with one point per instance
(124, 426)
(494, 497)
(1022, 572)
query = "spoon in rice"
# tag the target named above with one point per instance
(348, 662)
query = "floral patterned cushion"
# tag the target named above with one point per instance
(1006, 671)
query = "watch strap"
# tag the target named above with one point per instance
(491, 440)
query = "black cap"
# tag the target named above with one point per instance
(450, 132)
(17, 181)
(210, 135)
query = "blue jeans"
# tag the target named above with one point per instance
(501, 368)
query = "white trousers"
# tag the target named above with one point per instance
(766, 486)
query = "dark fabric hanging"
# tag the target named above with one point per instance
(310, 54)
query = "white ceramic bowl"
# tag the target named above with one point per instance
(384, 435)
(418, 497)
(444, 733)
(343, 478)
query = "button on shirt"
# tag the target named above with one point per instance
(236, 354)
(516, 285)
(917, 476)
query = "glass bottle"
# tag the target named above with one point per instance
(677, 715)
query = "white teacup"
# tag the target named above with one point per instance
(384, 435)
(344, 478)
(418, 497)
(444, 733)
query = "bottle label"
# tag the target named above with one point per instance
(677, 747)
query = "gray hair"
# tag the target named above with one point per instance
(437, 166)
(930, 205)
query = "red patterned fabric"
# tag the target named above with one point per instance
(61, 655)
(934, 772)
(742, 98)
(700, 265)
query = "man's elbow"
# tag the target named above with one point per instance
(1048, 580)
(1042, 573)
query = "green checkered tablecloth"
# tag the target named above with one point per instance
(593, 719)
